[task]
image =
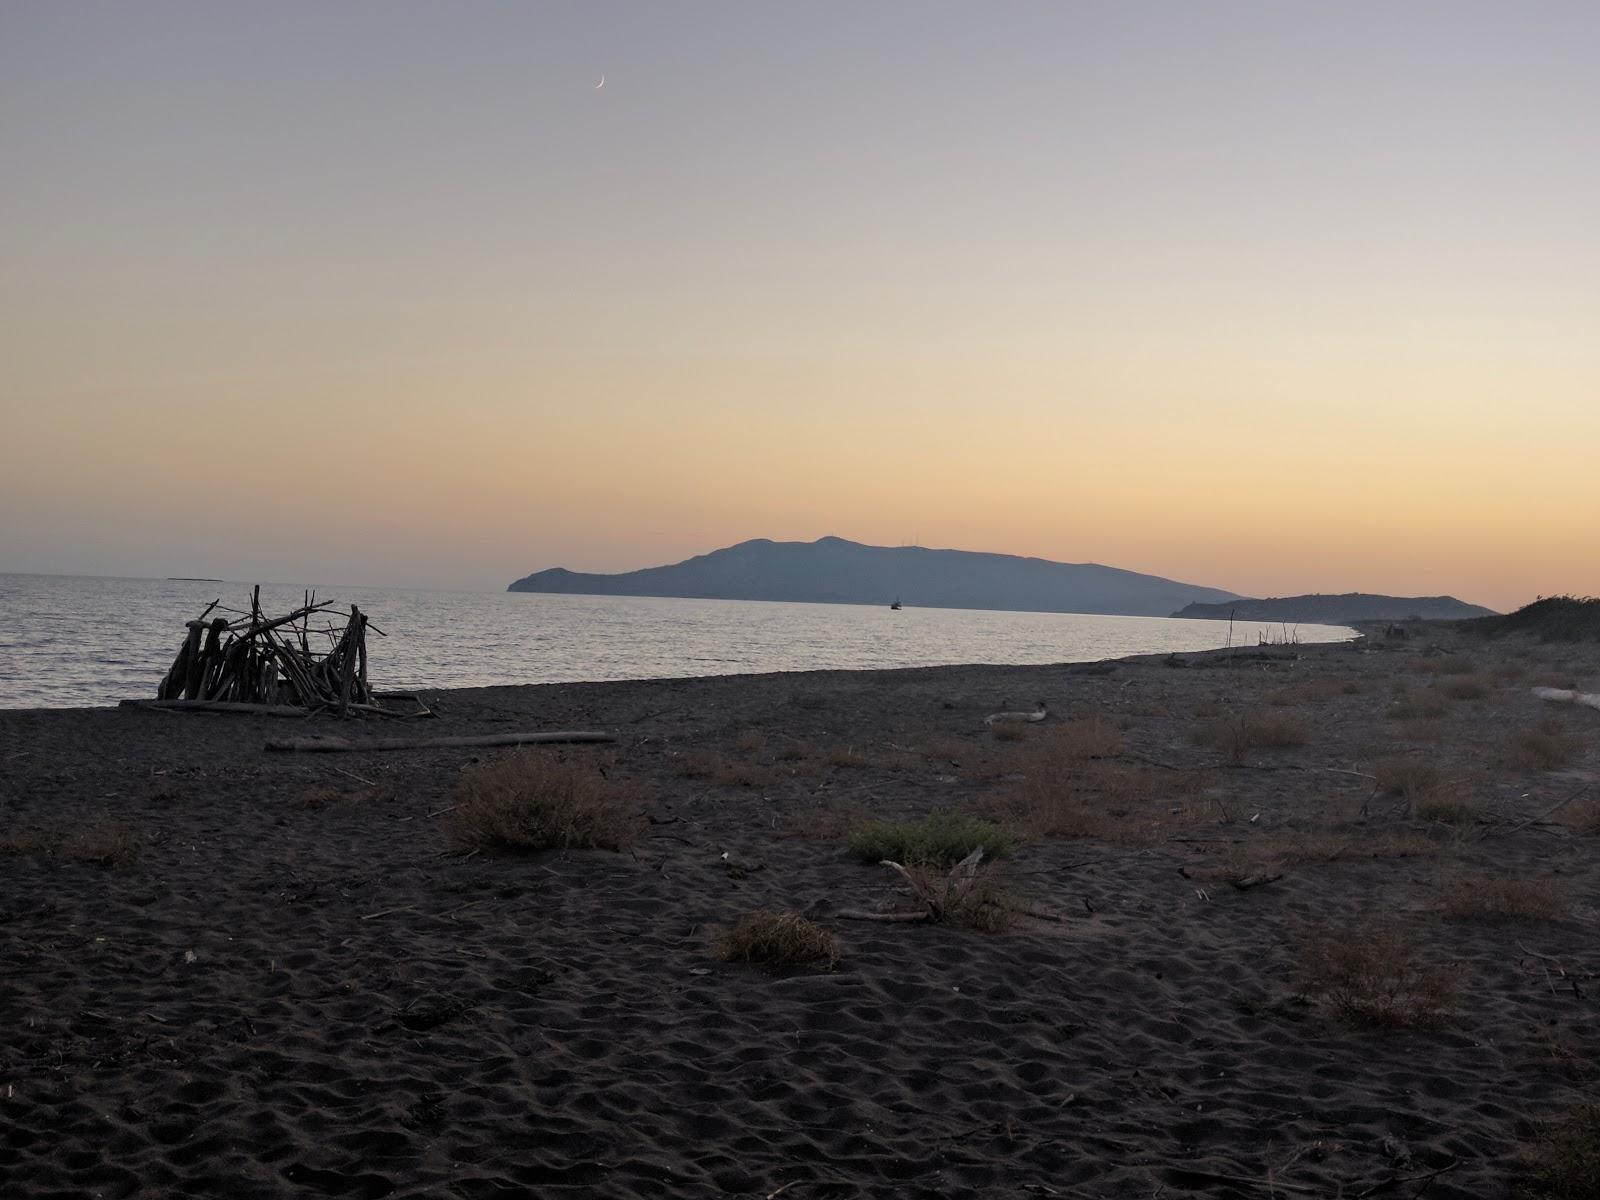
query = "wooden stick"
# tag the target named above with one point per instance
(363, 693)
(172, 685)
(332, 745)
(221, 706)
(347, 658)
(1545, 815)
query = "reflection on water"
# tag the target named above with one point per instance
(73, 640)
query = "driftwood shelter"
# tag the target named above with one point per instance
(311, 660)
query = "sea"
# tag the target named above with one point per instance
(70, 641)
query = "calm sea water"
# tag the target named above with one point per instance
(68, 641)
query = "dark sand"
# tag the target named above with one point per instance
(292, 993)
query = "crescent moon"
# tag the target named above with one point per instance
(601, 84)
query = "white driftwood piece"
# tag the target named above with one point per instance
(996, 718)
(1564, 696)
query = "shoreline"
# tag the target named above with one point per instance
(292, 985)
(1289, 650)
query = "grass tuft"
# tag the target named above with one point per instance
(1566, 1158)
(539, 801)
(777, 939)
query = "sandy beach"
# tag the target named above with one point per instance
(287, 981)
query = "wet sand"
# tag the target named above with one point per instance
(297, 989)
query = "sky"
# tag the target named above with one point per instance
(1273, 297)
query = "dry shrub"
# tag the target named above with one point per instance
(952, 750)
(1241, 733)
(1500, 898)
(719, 770)
(777, 939)
(967, 895)
(752, 741)
(1327, 846)
(1240, 865)
(1464, 687)
(1269, 853)
(1510, 671)
(1543, 749)
(1447, 808)
(792, 749)
(320, 797)
(1414, 778)
(1425, 705)
(828, 822)
(1315, 691)
(1373, 975)
(26, 842)
(1583, 817)
(1566, 1158)
(1009, 731)
(1060, 797)
(1448, 664)
(847, 757)
(105, 842)
(1423, 731)
(1208, 709)
(538, 801)
(1093, 737)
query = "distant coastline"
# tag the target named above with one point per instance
(833, 570)
(1347, 609)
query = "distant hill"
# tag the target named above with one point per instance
(1338, 610)
(832, 570)
(1550, 618)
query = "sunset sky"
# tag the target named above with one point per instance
(1276, 297)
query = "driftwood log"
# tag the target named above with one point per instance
(1567, 696)
(1002, 718)
(334, 745)
(220, 706)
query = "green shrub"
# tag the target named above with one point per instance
(943, 837)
